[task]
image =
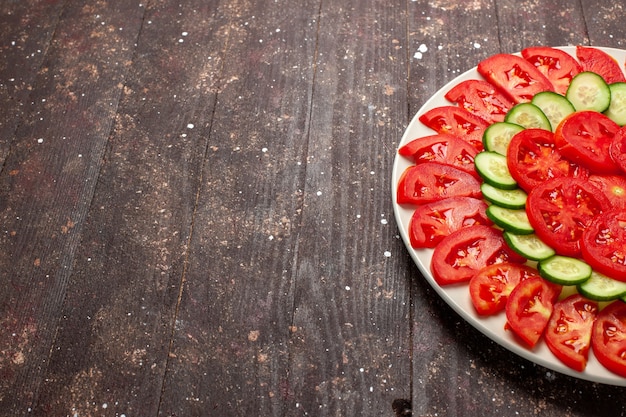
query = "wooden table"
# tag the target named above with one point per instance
(196, 210)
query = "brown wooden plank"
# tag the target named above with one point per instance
(456, 370)
(232, 344)
(350, 354)
(48, 181)
(26, 28)
(111, 351)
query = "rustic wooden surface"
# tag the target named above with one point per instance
(196, 213)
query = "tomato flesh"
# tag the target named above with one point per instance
(461, 254)
(598, 61)
(533, 158)
(432, 181)
(613, 187)
(608, 339)
(443, 148)
(529, 308)
(456, 121)
(480, 98)
(568, 334)
(514, 76)
(560, 209)
(617, 149)
(557, 65)
(432, 222)
(604, 244)
(491, 286)
(585, 137)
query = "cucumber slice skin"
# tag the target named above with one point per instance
(529, 246)
(514, 221)
(555, 106)
(589, 91)
(617, 107)
(493, 169)
(528, 116)
(511, 199)
(498, 135)
(564, 270)
(599, 287)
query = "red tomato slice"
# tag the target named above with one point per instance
(532, 159)
(517, 78)
(457, 121)
(604, 244)
(613, 187)
(432, 181)
(529, 308)
(444, 148)
(598, 61)
(585, 137)
(617, 149)
(568, 334)
(461, 254)
(608, 339)
(557, 65)
(432, 222)
(560, 209)
(480, 98)
(491, 286)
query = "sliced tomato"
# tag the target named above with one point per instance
(490, 287)
(461, 254)
(617, 149)
(480, 98)
(529, 308)
(585, 137)
(613, 187)
(557, 65)
(568, 334)
(517, 78)
(533, 158)
(560, 209)
(433, 181)
(444, 148)
(598, 61)
(604, 244)
(457, 121)
(608, 339)
(432, 222)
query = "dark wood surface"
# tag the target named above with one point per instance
(196, 214)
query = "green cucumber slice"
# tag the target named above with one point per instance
(529, 246)
(564, 270)
(514, 221)
(599, 287)
(511, 199)
(555, 106)
(589, 91)
(498, 135)
(529, 116)
(617, 107)
(493, 169)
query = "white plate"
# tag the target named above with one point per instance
(457, 296)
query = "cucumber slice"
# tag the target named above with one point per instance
(564, 270)
(529, 246)
(617, 107)
(554, 106)
(514, 221)
(511, 199)
(493, 169)
(528, 116)
(599, 287)
(498, 135)
(589, 91)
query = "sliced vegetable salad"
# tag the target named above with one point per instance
(520, 192)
